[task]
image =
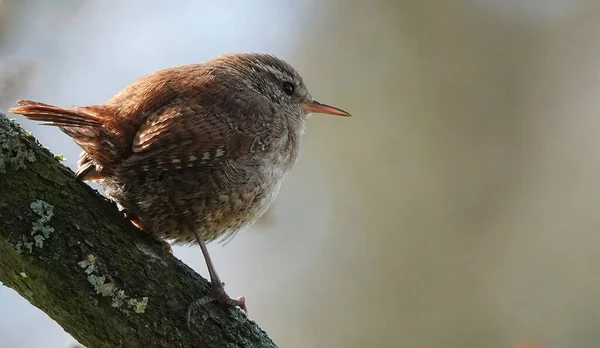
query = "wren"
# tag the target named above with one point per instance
(193, 153)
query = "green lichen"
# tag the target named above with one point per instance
(102, 286)
(39, 241)
(24, 245)
(106, 288)
(138, 306)
(89, 264)
(40, 231)
(14, 154)
(23, 274)
(43, 209)
(60, 158)
(118, 299)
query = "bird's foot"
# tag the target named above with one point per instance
(218, 294)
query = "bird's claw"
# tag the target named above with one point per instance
(217, 293)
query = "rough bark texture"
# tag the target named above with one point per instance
(69, 252)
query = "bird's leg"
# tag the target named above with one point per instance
(218, 288)
(217, 292)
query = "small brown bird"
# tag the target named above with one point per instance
(193, 153)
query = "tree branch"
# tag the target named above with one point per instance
(71, 253)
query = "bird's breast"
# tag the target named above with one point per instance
(256, 180)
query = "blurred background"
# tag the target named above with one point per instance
(458, 208)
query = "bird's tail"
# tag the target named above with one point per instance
(55, 116)
(85, 125)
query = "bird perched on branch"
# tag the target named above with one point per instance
(193, 153)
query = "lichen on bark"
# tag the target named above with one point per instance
(13, 153)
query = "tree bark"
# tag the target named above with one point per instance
(71, 253)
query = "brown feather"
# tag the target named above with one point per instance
(186, 134)
(86, 125)
(86, 170)
(55, 116)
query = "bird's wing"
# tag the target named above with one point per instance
(191, 135)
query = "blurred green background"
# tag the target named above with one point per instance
(458, 208)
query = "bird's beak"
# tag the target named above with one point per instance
(318, 108)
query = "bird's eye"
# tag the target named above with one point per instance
(288, 88)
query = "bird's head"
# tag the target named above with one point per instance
(280, 83)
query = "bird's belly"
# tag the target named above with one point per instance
(233, 211)
(217, 205)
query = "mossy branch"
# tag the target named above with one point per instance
(71, 253)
